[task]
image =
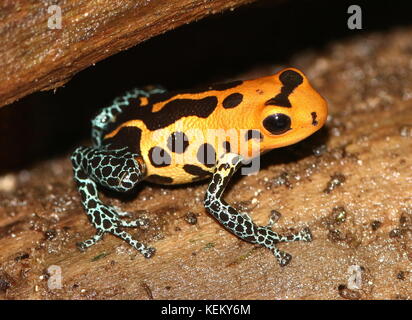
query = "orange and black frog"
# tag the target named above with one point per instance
(180, 137)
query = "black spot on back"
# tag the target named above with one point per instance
(253, 134)
(155, 178)
(290, 80)
(207, 155)
(126, 137)
(177, 142)
(159, 157)
(177, 109)
(232, 100)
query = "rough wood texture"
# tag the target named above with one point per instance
(354, 192)
(34, 57)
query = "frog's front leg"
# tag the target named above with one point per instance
(241, 224)
(118, 170)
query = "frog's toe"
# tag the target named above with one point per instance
(123, 213)
(283, 258)
(82, 246)
(306, 234)
(120, 212)
(106, 220)
(149, 252)
(134, 223)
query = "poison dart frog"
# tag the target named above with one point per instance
(159, 136)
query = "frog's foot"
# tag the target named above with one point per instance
(305, 235)
(106, 220)
(240, 224)
(268, 238)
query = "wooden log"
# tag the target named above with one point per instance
(36, 54)
(353, 192)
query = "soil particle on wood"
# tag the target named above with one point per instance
(364, 221)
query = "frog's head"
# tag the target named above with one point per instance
(293, 112)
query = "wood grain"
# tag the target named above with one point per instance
(34, 57)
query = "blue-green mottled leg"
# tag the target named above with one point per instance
(241, 224)
(108, 115)
(118, 170)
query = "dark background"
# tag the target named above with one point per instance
(221, 47)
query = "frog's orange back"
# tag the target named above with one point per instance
(244, 117)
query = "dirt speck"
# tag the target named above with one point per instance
(339, 215)
(348, 294)
(406, 131)
(6, 282)
(191, 218)
(335, 181)
(401, 275)
(22, 256)
(147, 290)
(375, 225)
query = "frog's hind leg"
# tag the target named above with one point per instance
(106, 116)
(241, 224)
(118, 170)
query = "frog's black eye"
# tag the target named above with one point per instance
(277, 123)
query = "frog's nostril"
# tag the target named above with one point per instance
(314, 117)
